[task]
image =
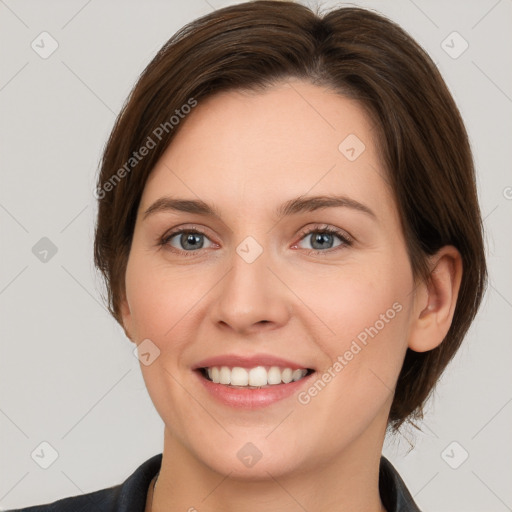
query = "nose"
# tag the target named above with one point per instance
(251, 297)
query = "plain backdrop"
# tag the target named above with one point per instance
(68, 375)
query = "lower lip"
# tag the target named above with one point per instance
(251, 398)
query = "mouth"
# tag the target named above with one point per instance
(251, 381)
(257, 377)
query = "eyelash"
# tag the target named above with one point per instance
(346, 240)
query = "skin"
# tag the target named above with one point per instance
(246, 154)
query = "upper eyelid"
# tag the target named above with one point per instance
(173, 232)
(328, 228)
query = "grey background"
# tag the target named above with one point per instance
(68, 374)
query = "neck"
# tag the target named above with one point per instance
(347, 481)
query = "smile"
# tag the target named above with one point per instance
(253, 378)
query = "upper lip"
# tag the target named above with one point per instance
(246, 361)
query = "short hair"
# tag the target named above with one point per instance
(357, 53)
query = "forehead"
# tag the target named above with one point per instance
(292, 138)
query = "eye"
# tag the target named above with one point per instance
(186, 240)
(322, 239)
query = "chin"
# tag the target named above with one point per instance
(250, 457)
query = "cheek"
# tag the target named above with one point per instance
(365, 320)
(352, 299)
(158, 299)
(161, 303)
(364, 328)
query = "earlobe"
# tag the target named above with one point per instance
(436, 301)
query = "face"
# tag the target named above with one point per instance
(268, 284)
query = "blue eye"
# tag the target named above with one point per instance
(322, 239)
(188, 240)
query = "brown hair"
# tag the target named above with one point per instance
(356, 52)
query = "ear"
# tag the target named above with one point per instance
(435, 300)
(126, 318)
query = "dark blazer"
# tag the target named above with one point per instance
(130, 496)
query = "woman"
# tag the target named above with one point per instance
(289, 231)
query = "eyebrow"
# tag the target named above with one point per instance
(292, 207)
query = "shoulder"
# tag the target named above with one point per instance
(393, 492)
(128, 496)
(103, 500)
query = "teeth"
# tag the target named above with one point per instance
(215, 375)
(254, 377)
(274, 375)
(258, 376)
(286, 375)
(225, 375)
(239, 377)
(297, 375)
